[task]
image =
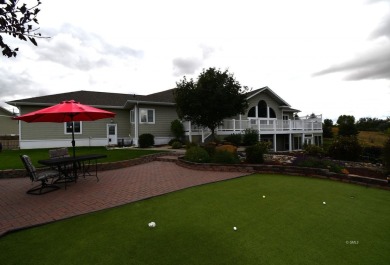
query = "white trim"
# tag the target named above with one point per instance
(54, 143)
(81, 128)
(147, 116)
(112, 139)
(136, 126)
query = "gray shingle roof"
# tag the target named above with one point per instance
(93, 98)
(118, 100)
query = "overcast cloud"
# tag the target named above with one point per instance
(144, 47)
(372, 63)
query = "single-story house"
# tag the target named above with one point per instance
(7, 125)
(268, 113)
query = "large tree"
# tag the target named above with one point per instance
(215, 96)
(327, 128)
(347, 126)
(18, 21)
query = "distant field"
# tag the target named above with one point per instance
(372, 138)
(368, 138)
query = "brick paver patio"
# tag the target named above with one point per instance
(116, 187)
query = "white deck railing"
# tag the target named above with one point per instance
(262, 125)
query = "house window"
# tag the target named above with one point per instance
(252, 112)
(146, 116)
(297, 143)
(262, 109)
(272, 113)
(285, 117)
(132, 116)
(318, 140)
(77, 127)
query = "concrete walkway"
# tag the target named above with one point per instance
(116, 187)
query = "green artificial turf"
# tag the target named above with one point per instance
(10, 159)
(291, 225)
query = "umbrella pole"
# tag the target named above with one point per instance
(73, 141)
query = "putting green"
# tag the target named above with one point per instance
(290, 225)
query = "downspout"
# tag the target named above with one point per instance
(136, 125)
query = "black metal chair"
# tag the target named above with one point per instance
(66, 170)
(42, 176)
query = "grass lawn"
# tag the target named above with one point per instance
(10, 158)
(195, 226)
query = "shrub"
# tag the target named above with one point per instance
(250, 137)
(174, 140)
(176, 145)
(224, 157)
(190, 144)
(146, 140)
(372, 153)
(315, 162)
(386, 155)
(210, 148)
(197, 154)
(255, 153)
(234, 139)
(177, 128)
(313, 150)
(345, 148)
(227, 147)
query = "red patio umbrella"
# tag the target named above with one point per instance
(66, 111)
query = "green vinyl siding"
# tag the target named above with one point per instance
(164, 115)
(7, 125)
(93, 129)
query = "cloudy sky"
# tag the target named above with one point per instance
(329, 57)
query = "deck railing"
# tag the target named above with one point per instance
(262, 125)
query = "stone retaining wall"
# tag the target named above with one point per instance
(288, 170)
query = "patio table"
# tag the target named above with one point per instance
(86, 163)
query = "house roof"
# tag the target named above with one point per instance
(6, 113)
(101, 99)
(269, 91)
(120, 100)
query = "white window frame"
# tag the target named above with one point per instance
(81, 128)
(132, 116)
(142, 112)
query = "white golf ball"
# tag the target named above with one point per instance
(152, 224)
(234, 228)
(264, 196)
(323, 202)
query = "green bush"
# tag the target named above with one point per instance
(146, 140)
(386, 155)
(174, 140)
(345, 148)
(177, 128)
(224, 157)
(210, 148)
(315, 162)
(234, 139)
(255, 154)
(190, 144)
(313, 150)
(197, 154)
(176, 145)
(250, 137)
(372, 154)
